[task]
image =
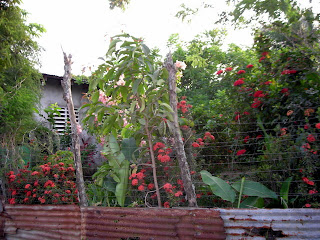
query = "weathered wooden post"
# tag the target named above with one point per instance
(66, 85)
(181, 155)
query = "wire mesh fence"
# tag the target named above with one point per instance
(269, 154)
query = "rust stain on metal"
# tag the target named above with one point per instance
(271, 223)
(42, 222)
(139, 223)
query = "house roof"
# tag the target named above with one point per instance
(49, 77)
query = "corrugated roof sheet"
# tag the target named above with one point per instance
(270, 224)
(142, 223)
(42, 222)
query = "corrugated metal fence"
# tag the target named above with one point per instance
(73, 222)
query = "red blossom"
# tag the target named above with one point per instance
(261, 59)
(195, 144)
(241, 72)
(311, 138)
(246, 113)
(318, 125)
(245, 140)
(158, 145)
(228, 69)
(141, 188)
(240, 152)
(27, 186)
(12, 201)
(238, 82)
(258, 94)
(249, 66)
(267, 83)
(307, 205)
(219, 72)
(134, 182)
(164, 158)
(192, 172)
(313, 191)
(150, 186)
(178, 194)
(287, 71)
(256, 103)
(167, 187)
(166, 205)
(140, 175)
(264, 53)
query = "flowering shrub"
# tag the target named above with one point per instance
(46, 184)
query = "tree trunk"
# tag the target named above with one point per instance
(66, 85)
(181, 155)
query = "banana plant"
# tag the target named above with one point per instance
(256, 191)
(117, 166)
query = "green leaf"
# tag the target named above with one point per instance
(145, 49)
(167, 106)
(249, 202)
(121, 188)
(284, 191)
(142, 121)
(218, 186)
(129, 148)
(135, 85)
(251, 188)
(95, 97)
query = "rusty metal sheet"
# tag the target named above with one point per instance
(42, 222)
(151, 223)
(258, 224)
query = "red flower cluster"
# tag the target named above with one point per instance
(311, 138)
(238, 82)
(40, 186)
(259, 94)
(241, 152)
(256, 103)
(249, 66)
(228, 69)
(163, 153)
(241, 72)
(287, 71)
(219, 72)
(317, 125)
(307, 181)
(138, 179)
(183, 106)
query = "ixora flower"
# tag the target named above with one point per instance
(180, 65)
(258, 94)
(228, 69)
(166, 205)
(241, 72)
(256, 103)
(311, 138)
(238, 82)
(318, 125)
(241, 152)
(219, 72)
(287, 71)
(262, 58)
(249, 66)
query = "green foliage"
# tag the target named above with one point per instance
(244, 187)
(19, 80)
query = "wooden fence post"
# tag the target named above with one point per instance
(66, 85)
(181, 155)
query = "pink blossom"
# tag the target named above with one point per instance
(121, 81)
(181, 65)
(79, 128)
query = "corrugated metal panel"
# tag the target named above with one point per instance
(137, 223)
(42, 222)
(270, 224)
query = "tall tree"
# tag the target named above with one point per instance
(19, 80)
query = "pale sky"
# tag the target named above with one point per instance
(83, 28)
